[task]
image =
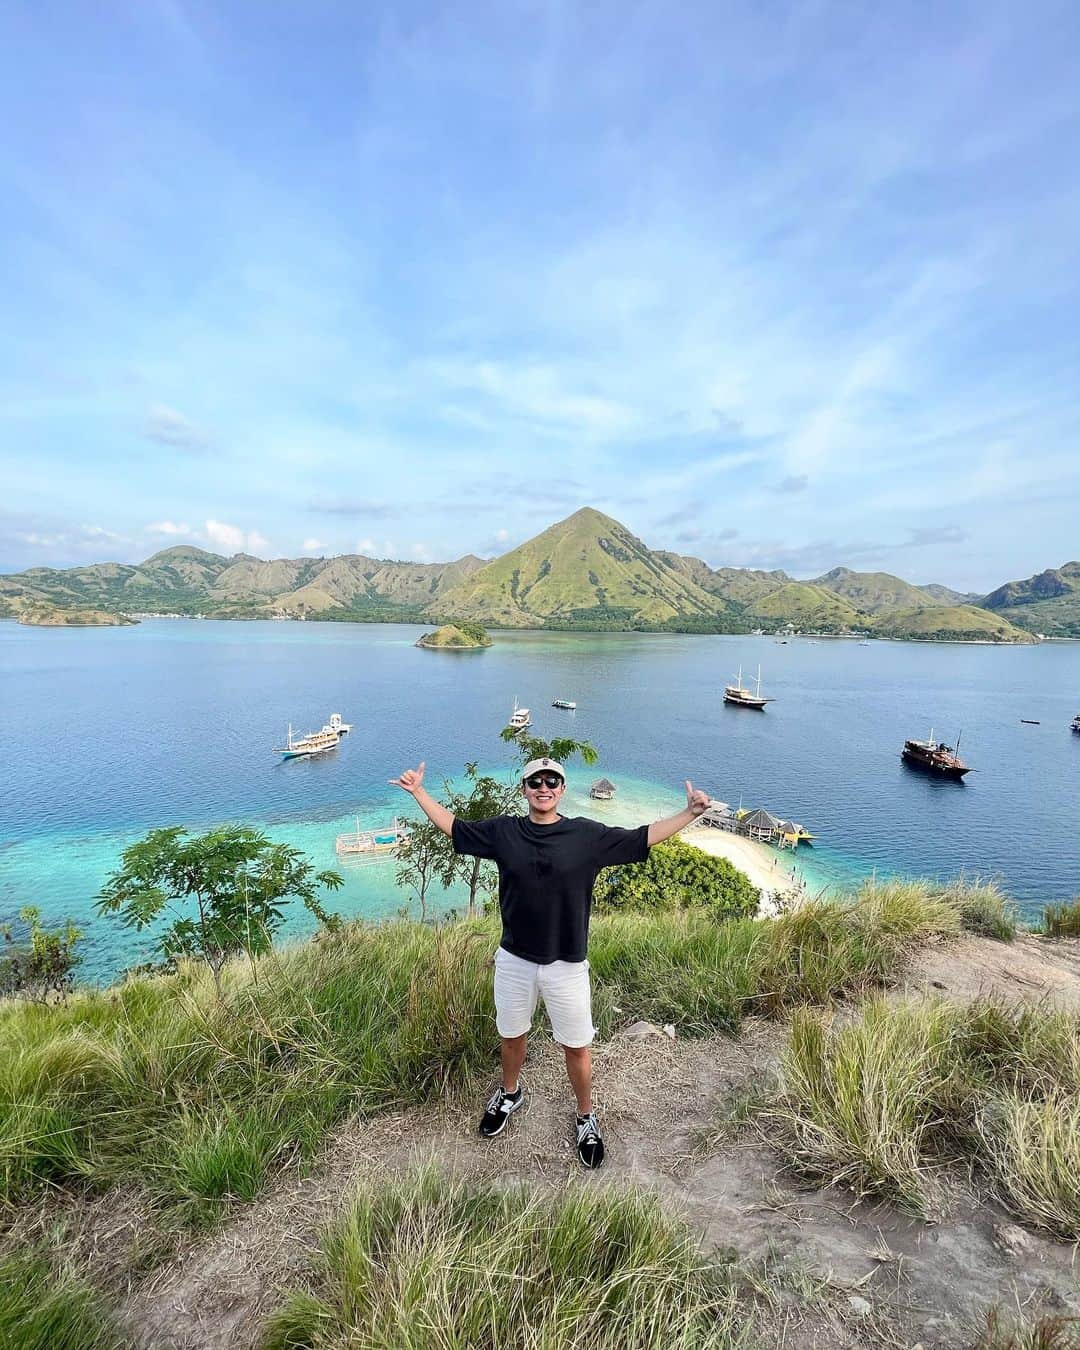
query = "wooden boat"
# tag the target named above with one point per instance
(743, 698)
(935, 757)
(372, 843)
(314, 743)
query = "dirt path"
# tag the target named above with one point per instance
(910, 1281)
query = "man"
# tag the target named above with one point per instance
(547, 866)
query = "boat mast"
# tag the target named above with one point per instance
(759, 682)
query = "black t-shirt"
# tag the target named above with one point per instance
(546, 875)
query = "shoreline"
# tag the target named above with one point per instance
(771, 870)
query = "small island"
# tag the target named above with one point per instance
(48, 616)
(456, 637)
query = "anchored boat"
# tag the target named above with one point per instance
(372, 843)
(519, 718)
(743, 698)
(563, 703)
(314, 743)
(935, 757)
(1076, 724)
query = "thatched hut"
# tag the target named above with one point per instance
(603, 790)
(759, 824)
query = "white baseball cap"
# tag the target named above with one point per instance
(537, 765)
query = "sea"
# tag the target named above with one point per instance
(108, 733)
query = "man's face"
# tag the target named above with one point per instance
(543, 790)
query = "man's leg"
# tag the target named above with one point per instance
(579, 1071)
(512, 1053)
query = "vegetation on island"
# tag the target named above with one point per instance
(460, 636)
(586, 573)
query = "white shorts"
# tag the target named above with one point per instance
(564, 987)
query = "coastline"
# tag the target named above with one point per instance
(773, 871)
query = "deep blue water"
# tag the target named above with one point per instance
(109, 732)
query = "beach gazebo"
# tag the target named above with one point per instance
(759, 824)
(603, 790)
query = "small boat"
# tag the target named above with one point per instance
(372, 843)
(314, 743)
(1076, 724)
(519, 718)
(1030, 722)
(743, 698)
(563, 703)
(864, 642)
(935, 757)
(337, 725)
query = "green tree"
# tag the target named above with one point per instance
(42, 966)
(676, 876)
(422, 858)
(239, 881)
(561, 748)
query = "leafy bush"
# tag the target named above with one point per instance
(676, 876)
(43, 966)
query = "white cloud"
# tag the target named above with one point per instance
(367, 546)
(168, 527)
(421, 552)
(169, 427)
(232, 539)
(502, 536)
(313, 545)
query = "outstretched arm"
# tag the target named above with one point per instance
(412, 782)
(696, 802)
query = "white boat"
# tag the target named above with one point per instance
(563, 703)
(519, 718)
(336, 725)
(314, 743)
(372, 843)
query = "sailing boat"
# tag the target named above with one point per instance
(743, 698)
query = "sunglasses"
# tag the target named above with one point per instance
(548, 780)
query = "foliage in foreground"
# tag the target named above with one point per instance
(42, 1308)
(490, 1268)
(194, 1093)
(1062, 920)
(891, 1100)
(42, 966)
(676, 875)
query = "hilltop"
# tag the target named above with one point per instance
(461, 637)
(586, 572)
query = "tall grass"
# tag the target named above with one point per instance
(1062, 920)
(46, 1308)
(161, 1082)
(888, 1101)
(435, 1262)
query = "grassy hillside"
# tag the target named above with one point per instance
(807, 606)
(945, 623)
(1046, 603)
(872, 592)
(585, 568)
(738, 586)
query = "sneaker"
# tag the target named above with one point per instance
(590, 1143)
(499, 1110)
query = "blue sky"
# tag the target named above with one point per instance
(775, 284)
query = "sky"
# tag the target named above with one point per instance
(775, 284)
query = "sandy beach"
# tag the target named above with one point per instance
(769, 869)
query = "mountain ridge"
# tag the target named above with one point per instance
(588, 571)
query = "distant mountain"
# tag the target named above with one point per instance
(872, 592)
(587, 569)
(949, 623)
(945, 595)
(587, 572)
(1048, 602)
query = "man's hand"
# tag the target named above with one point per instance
(412, 782)
(697, 801)
(412, 779)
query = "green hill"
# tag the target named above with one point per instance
(949, 623)
(807, 606)
(872, 592)
(456, 637)
(738, 586)
(587, 569)
(1048, 602)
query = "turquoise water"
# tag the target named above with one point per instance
(111, 732)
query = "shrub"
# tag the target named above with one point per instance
(676, 876)
(1062, 920)
(42, 967)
